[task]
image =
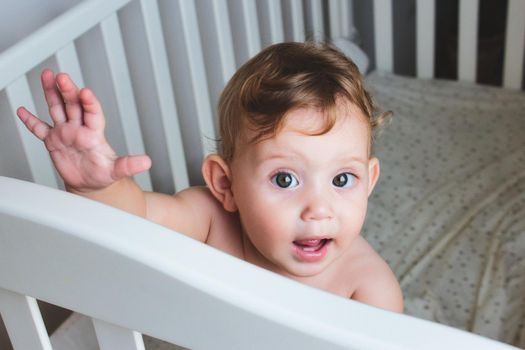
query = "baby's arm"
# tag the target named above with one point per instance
(90, 167)
(379, 287)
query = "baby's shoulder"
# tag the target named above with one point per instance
(192, 211)
(365, 253)
(362, 261)
(200, 196)
(204, 203)
(224, 230)
(376, 284)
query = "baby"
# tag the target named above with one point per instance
(289, 187)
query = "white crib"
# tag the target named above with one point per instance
(158, 68)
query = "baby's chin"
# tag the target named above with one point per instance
(302, 271)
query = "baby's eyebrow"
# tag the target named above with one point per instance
(354, 160)
(343, 159)
(278, 155)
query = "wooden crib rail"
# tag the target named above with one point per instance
(50, 39)
(467, 41)
(131, 275)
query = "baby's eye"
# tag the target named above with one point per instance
(343, 180)
(284, 180)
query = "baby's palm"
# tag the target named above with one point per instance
(82, 156)
(76, 142)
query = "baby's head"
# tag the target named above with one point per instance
(295, 160)
(283, 78)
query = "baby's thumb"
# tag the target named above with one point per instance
(130, 165)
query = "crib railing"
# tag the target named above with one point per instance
(467, 41)
(131, 276)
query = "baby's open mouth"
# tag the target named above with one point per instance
(312, 245)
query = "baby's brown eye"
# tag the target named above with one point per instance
(343, 180)
(284, 180)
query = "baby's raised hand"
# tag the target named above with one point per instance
(76, 142)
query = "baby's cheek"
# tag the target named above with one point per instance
(354, 216)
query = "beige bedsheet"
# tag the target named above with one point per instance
(448, 213)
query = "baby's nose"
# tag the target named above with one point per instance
(317, 208)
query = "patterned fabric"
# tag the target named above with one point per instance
(448, 213)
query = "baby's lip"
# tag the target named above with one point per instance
(308, 242)
(311, 242)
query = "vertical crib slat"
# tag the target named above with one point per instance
(293, 20)
(23, 321)
(468, 39)
(123, 91)
(251, 23)
(514, 45)
(185, 56)
(217, 45)
(245, 29)
(341, 19)
(425, 22)
(214, 20)
(270, 19)
(111, 337)
(198, 76)
(19, 94)
(224, 39)
(67, 61)
(383, 27)
(315, 9)
(347, 18)
(164, 95)
(334, 11)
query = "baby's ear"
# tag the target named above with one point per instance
(373, 173)
(217, 174)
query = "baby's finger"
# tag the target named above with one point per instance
(70, 93)
(39, 128)
(93, 115)
(130, 165)
(53, 98)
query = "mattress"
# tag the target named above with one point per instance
(448, 213)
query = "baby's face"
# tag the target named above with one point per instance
(302, 199)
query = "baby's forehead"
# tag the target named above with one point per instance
(311, 116)
(307, 121)
(311, 121)
(350, 132)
